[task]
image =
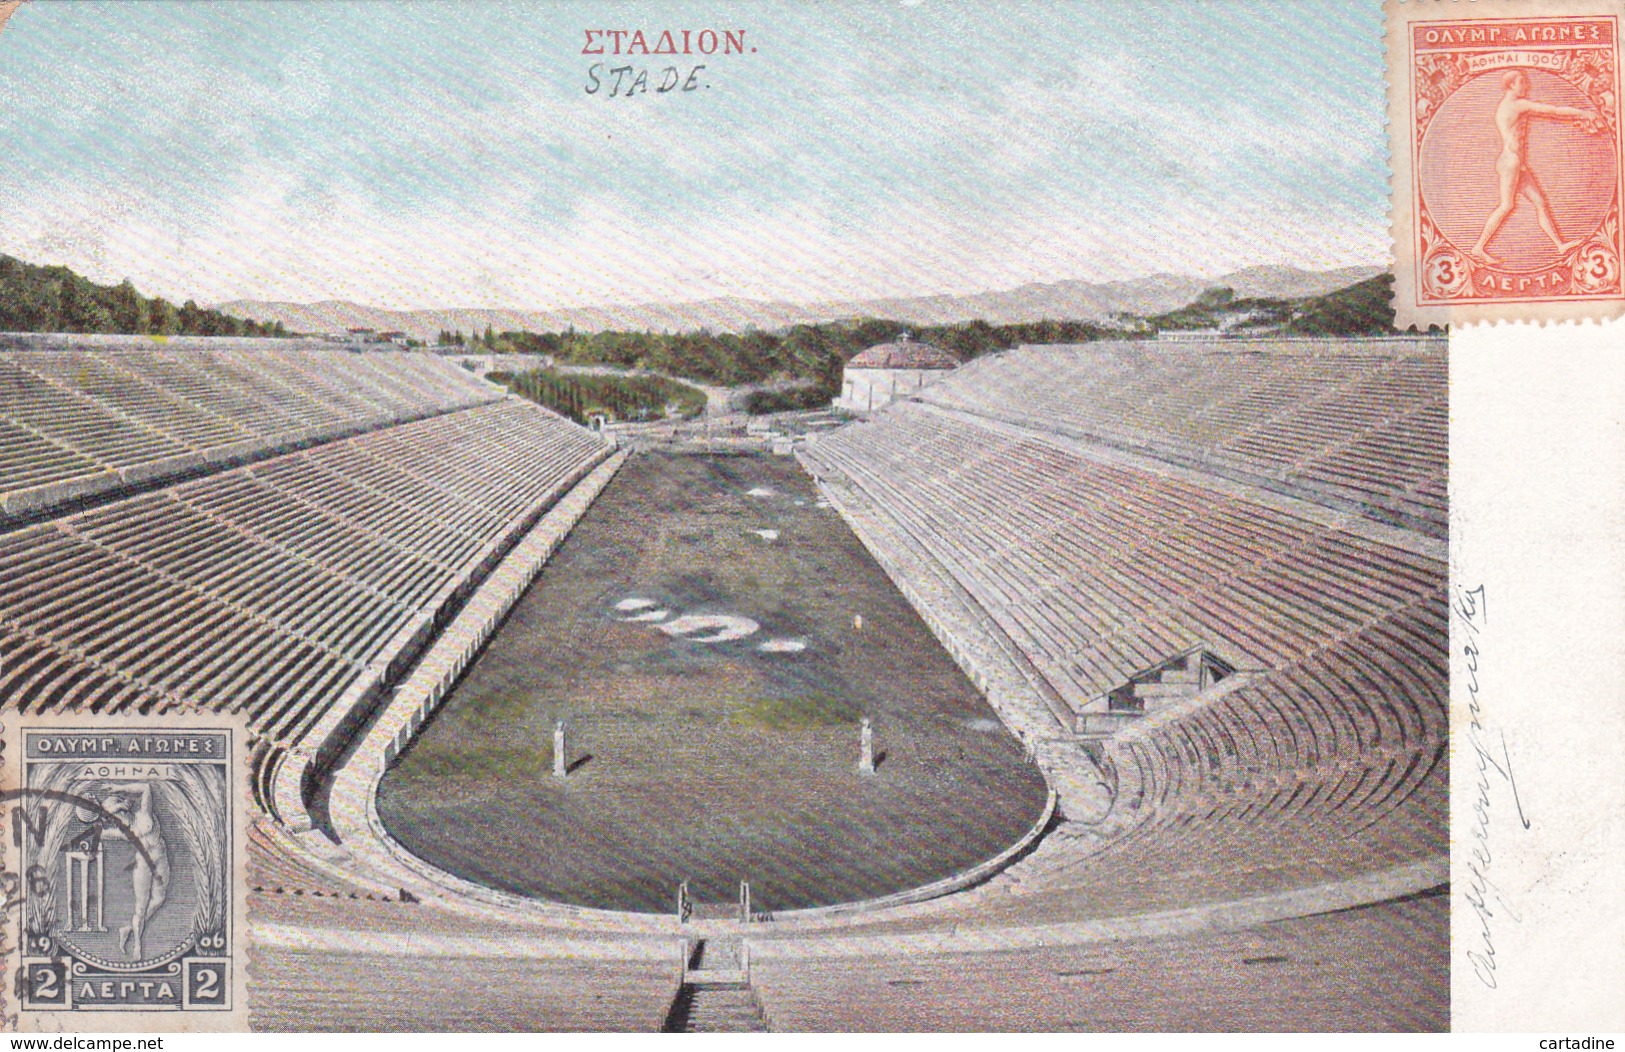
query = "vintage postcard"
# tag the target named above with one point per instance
(124, 872)
(1505, 134)
(876, 517)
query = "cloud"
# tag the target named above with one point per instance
(210, 157)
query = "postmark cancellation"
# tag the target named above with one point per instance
(124, 872)
(1505, 143)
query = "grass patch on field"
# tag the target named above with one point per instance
(484, 763)
(505, 706)
(817, 709)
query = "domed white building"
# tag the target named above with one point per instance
(888, 371)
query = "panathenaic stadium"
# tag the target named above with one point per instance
(1095, 687)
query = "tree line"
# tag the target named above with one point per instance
(582, 396)
(1362, 309)
(55, 299)
(815, 353)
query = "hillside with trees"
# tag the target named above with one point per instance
(1361, 309)
(812, 354)
(1219, 308)
(580, 396)
(800, 367)
(55, 299)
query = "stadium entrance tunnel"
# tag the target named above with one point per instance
(711, 754)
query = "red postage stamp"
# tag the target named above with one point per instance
(1506, 150)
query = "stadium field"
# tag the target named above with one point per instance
(699, 633)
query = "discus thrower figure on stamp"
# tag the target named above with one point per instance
(1512, 119)
(1507, 152)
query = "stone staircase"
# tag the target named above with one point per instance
(1173, 684)
(716, 996)
(1178, 679)
(715, 1008)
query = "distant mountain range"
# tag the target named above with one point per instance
(1062, 300)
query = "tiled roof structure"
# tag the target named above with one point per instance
(904, 354)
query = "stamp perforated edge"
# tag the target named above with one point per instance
(234, 1019)
(1397, 17)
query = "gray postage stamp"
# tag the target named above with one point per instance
(123, 877)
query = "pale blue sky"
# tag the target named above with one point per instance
(425, 154)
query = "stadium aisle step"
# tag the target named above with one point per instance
(730, 1009)
(716, 995)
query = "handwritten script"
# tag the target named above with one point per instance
(1493, 779)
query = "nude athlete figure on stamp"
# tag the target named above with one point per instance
(149, 874)
(1512, 117)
